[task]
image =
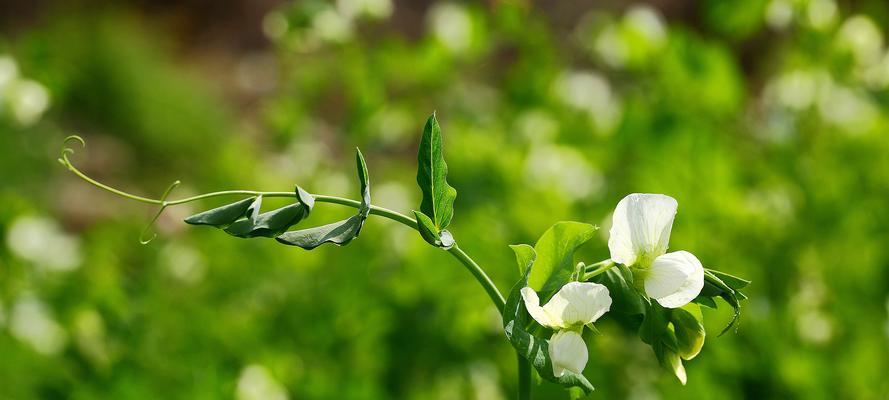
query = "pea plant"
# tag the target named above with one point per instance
(641, 286)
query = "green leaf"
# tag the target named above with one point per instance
(222, 216)
(432, 172)
(524, 256)
(730, 280)
(364, 180)
(705, 301)
(555, 254)
(716, 287)
(529, 346)
(339, 233)
(688, 325)
(269, 224)
(626, 300)
(253, 210)
(430, 234)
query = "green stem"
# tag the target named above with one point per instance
(524, 377)
(597, 268)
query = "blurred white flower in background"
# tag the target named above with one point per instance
(41, 241)
(275, 25)
(32, 323)
(257, 383)
(332, 26)
(590, 92)
(89, 336)
(538, 126)
(564, 170)
(485, 381)
(452, 25)
(183, 263)
(848, 109)
(368, 8)
(26, 100)
(779, 14)
(821, 13)
(634, 39)
(863, 38)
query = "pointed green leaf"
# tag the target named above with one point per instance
(306, 198)
(531, 347)
(339, 233)
(427, 229)
(269, 224)
(364, 179)
(705, 301)
(730, 280)
(432, 172)
(524, 256)
(555, 254)
(222, 216)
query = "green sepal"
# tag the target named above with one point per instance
(688, 325)
(715, 286)
(222, 216)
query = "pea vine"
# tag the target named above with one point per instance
(641, 286)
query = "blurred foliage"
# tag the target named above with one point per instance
(765, 119)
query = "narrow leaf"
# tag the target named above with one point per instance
(432, 172)
(339, 233)
(555, 254)
(306, 198)
(222, 216)
(730, 280)
(269, 224)
(524, 256)
(427, 229)
(364, 179)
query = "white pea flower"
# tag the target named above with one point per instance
(568, 352)
(638, 238)
(575, 305)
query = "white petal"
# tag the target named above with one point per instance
(578, 303)
(675, 279)
(567, 351)
(532, 304)
(640, 227)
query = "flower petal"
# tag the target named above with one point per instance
(579, 303)
(568, 352)
(675, 279)
(532, 304)
(641, 226)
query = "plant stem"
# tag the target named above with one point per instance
(524, 377)
(597, 268)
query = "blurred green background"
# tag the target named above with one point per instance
(768, 120)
